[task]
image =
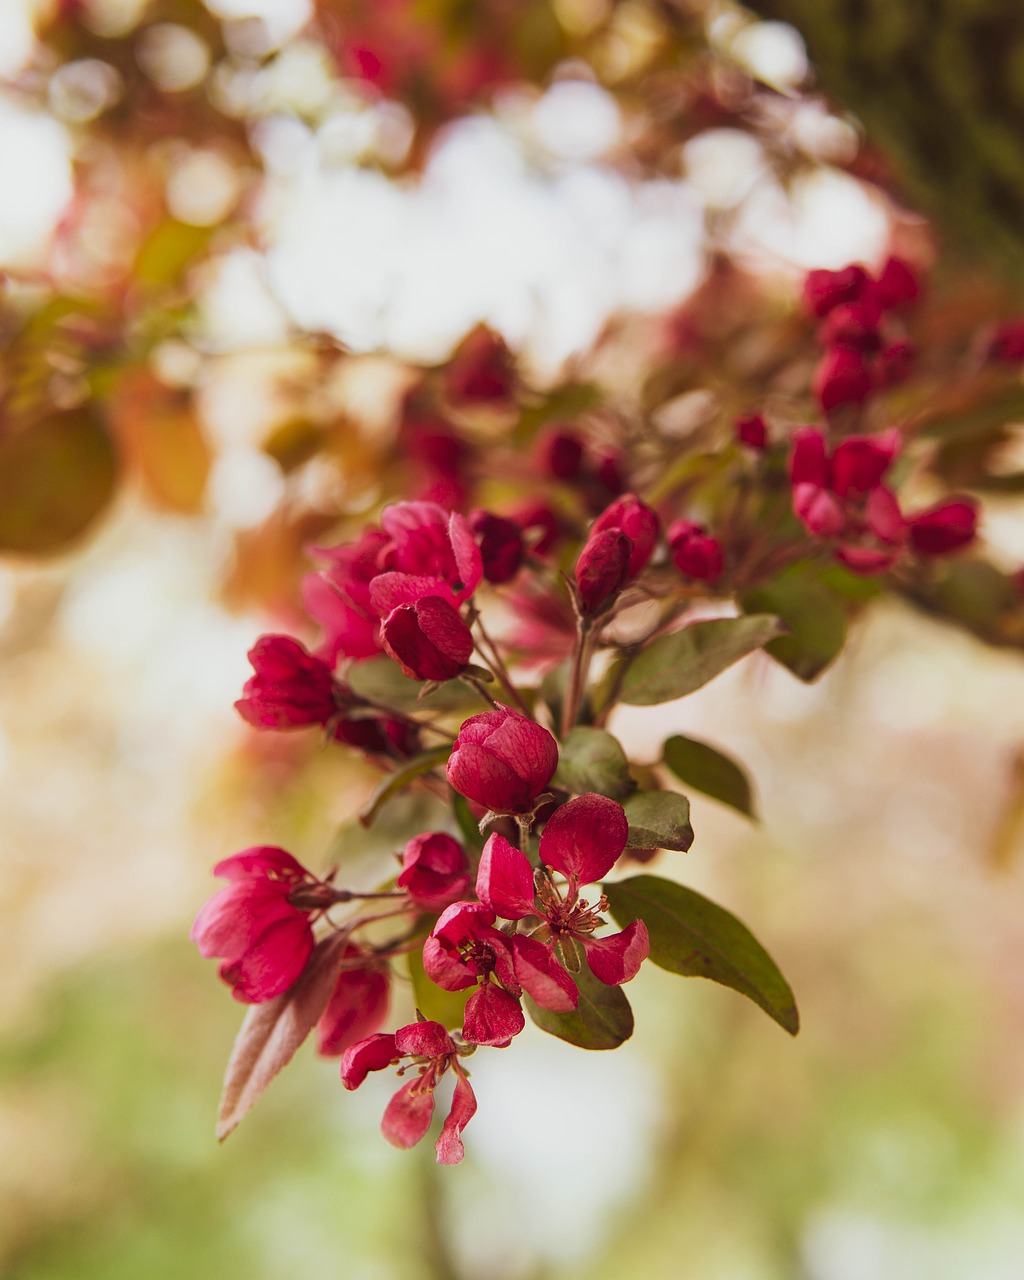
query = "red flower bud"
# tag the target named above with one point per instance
(946, 527)
(435, 871)
(694, 552)
(480, 371)
(500, 543)
(752, 431)
(291, 688)
(603, 569)
(853, 325)
(842, 377)
(560, 454)
(502, 760)
(428, 639)
(638, 522)
(897, 284)
(824, 290)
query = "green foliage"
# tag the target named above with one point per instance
(814, 619)
(659, 820)
(710, 771)
(593, 760)
(603, 1020)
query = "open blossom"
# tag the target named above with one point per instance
(338, 597)
(841, 497)
(429, 552)
(428, 639)
(435, 870)
(502, 760)
(407, 1117)
(259, 924)
(582, 841)
(464, 950)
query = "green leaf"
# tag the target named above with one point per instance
(56, 476)
(710, 771)
(400, 778)
(694, 937)
(813, 617)
(603, 1019)
(382, 681)
(593, 760)
(675, 665)
(659, 820)
(446, 1007)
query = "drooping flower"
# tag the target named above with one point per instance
(428, 639)
(842, 497)
(259, 924)
(463, 950)
(358, 1005)
(407, 1116)
(502, 760)
(582, 841)
(435, 870)
(429, 552)
(290, 688)
(695, 552)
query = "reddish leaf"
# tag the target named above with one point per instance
(272, 1032)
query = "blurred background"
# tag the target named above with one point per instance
(233, 228)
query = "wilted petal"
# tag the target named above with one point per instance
(449, 1145)
(492, 1017)
(424, 1040)
(584, 838)
(372, 1054)
(504, 880)
(617, 959)
(407, 1115)
(542, 977)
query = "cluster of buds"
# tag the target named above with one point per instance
(513, 905)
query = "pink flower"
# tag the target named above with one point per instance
(429, 552)
(428, 639)
(752, 431)
(463, 950)
(824, 290)
(602, 569)
(943, 528)
(540, 524)
(435, 871)
(694, 552)
(290, 689)
(842, 498)
(582, 841)
(358, 1006)
(638, 522)
(339, 597)
(407, 1117)
(842, 377)
(897, 284)
(259, 924)
(501, 545)
(502, 760)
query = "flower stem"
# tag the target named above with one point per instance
(578, 675)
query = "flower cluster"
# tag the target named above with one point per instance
(477, 654)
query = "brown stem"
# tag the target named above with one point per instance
(578, 676)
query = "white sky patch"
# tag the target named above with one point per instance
(16, 36)
(543, 256)
(282, 18)
(35, 159)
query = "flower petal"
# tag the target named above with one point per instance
(407, 1115)
(543, 978)
(449, 1146)
(374, 1053)
(617, 959)
(492, 1017)
(584, 838)
(504, 880)
(424, 1040)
